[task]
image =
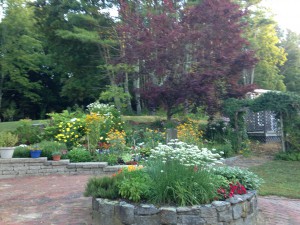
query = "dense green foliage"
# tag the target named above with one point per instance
(21, 152)
(105, 187)
(170, 183)
(79, 155)
(57, 54)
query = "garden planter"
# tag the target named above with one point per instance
(35, 153)
(56, 157)
(238, 210)
(7, 152)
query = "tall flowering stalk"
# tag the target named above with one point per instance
(188, 132)
(93, 125)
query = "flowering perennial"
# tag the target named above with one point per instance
(97, 107)
(233, 190)
(71, 132)
(188, 155)
(189, 132)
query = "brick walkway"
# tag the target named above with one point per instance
(58, 200)
(279, 211)
(44, 200)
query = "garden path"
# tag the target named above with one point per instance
(58, 200)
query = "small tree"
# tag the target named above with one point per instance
(195, 54)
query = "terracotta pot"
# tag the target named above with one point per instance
(56, 157)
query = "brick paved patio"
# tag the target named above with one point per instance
(58, 200)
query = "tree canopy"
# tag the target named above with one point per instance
(176, 54)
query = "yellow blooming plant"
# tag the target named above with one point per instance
(71, 132)
(94, 122)
(188, 132)
(131, 168)
(108, 116)
(116, 139)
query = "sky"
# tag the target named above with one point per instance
(286, 13)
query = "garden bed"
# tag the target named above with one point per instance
(238, 210)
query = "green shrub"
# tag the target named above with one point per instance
(135, 185)
(21, 152)
(110, 158)
(104, 187)
(7, 139)
(234, 174)
(27, 133)
(289, 156)
(79, 155)
(225, 148)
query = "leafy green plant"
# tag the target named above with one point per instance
(8, 139)
(104, 187)
(63, 124)
(21, 152)
(289, 156)
(181, 185)
(79, 155)
(28, 133)
(56, 153)
(234, 174)
(48, 147)
(110, 158)
(135, 186)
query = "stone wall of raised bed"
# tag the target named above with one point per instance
(239, 210)
(18, 167)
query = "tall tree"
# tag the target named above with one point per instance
(194, 53)
(21, 54)
(78, 35)
(291, 69)
(263, 36)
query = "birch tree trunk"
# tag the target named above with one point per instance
(136, 84)
(126, 90)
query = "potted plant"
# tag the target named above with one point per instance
(48, 147)
(7, 143)
(35, 151)
(56, 155)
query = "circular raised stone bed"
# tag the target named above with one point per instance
(238, 210)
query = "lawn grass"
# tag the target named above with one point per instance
(12, 126)
(282, 178)
(143, 119)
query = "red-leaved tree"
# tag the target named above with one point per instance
(186, 54)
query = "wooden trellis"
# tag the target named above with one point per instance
(263, 126)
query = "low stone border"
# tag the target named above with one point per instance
(18, 167)
(239, 210)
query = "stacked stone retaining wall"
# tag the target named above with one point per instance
(18, 167)
(238, 210)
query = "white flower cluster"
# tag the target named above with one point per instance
(98, 107)
(189, 155)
